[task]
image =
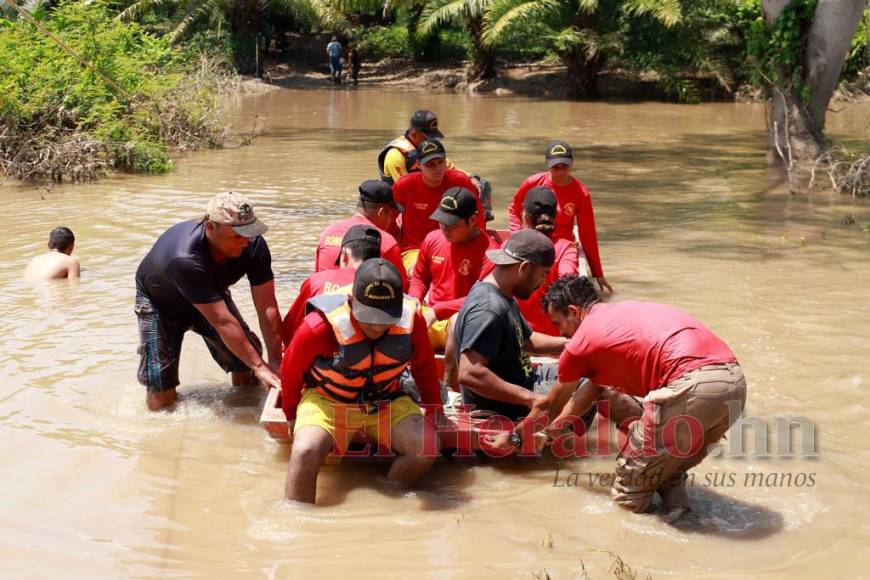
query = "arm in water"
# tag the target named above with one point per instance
(270, 320)
(233, 335)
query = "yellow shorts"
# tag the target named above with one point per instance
(438, 332)
(343, 421)
(409, 260)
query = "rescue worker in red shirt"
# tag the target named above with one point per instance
(399, 156)
(575, 206)
(376, 207)
(692, 386)
(359, 244)
(420, 193)
(450, 261)
(343, 370)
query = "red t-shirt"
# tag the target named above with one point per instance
(420, 201)
(567, 261)
(448, 271)
(637, 347)
(315, 337)
(329, 246)
(531, 308)
(574, 204)
(326, 282)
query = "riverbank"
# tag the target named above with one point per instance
(534, 79)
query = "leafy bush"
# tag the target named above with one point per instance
(51, 100)
(386, 41)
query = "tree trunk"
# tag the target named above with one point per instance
(583, 74)
(483, 58)
(243, 24)
(795, 125)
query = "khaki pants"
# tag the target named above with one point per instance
(679, 423)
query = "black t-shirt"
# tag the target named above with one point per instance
(179, 270)
(490, 323)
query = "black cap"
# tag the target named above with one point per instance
(426, 122)
(559, 152)
(525, 246)
(377, 191)
(377, 293)
(370, 234)
(457, 203)
(540, 200)
(430, 149)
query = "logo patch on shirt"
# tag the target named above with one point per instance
(569, 209)
(332, 241)
(437, 259)
(465, 267)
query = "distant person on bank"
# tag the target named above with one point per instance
(690, 382)
(183, 284)
(355, 61)
(58, 261)
(334, 51)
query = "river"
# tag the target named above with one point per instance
(94, 485)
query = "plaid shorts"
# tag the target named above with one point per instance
(160, 340)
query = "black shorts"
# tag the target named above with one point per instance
(160, 340)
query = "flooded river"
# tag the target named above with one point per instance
(94, 485)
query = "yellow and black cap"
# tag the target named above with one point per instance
(559, 152)
(456, 204)
(377, 293)
(430, 149)
(524, 246)
(427, 123)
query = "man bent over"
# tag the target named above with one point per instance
(183, 284)
(692, 386)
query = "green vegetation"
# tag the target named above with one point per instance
(136, 98)
(126, 81)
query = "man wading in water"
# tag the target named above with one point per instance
(183, 284)
(691, 384)
(58, 261)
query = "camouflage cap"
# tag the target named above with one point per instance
(235, 210)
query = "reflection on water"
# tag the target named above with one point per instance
(687, 213)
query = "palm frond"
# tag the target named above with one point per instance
(587, 6)
(438, 13)
(668, 12)
(141, 7)
(195, 10)
(505, 15)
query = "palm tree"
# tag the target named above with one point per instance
(583, 33)
(246, 18)
(469, 14)
(36, 8)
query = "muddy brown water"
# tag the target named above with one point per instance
(93, 485)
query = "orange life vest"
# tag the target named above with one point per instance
(409, 152)
(361, 371)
